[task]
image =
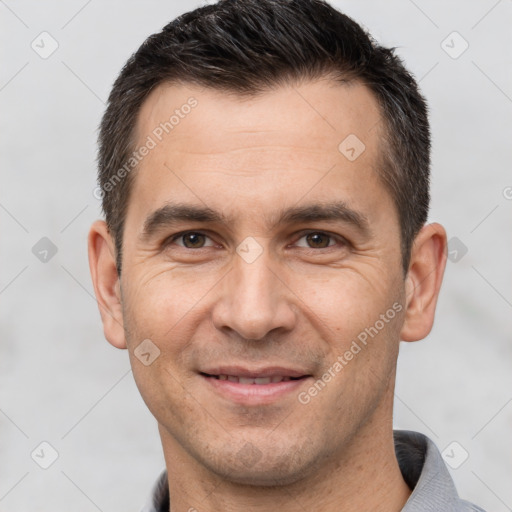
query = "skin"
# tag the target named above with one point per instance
(298, 305)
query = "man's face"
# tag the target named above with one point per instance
(299, 256)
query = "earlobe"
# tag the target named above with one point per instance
(423, 281)
(102, 264)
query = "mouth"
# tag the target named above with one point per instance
(254, 387)
(260, 381)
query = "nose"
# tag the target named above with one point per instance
(254, 300)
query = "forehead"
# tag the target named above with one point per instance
(280, 144)
(307, 113)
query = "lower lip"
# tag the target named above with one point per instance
(254, 394)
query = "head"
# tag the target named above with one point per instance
(272, 224)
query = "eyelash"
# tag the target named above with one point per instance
(303, 234)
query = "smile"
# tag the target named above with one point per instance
(256, 380)
(259, 387)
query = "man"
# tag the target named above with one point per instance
(265, 174)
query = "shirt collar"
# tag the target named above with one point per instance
(425, 472)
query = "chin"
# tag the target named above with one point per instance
(270, 477)
(262, 467)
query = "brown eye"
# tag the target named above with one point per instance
(321, 240)
(318, 240)
(192, 240)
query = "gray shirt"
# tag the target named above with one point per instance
(421, 465)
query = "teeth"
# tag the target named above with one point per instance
(262, 380)
(243, 380)
(256, 380)
(280, 379)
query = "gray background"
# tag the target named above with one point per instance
(60, 382)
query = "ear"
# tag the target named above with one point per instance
(423, 281)
(102, 263)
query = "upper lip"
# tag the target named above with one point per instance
(253, 373)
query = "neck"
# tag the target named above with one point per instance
(366, 476)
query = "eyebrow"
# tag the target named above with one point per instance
(172, 214)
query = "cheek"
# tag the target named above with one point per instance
(158, 303)
(159, 320)
(343, 302)
(359, 321)
(360, 365)
(166, 307)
